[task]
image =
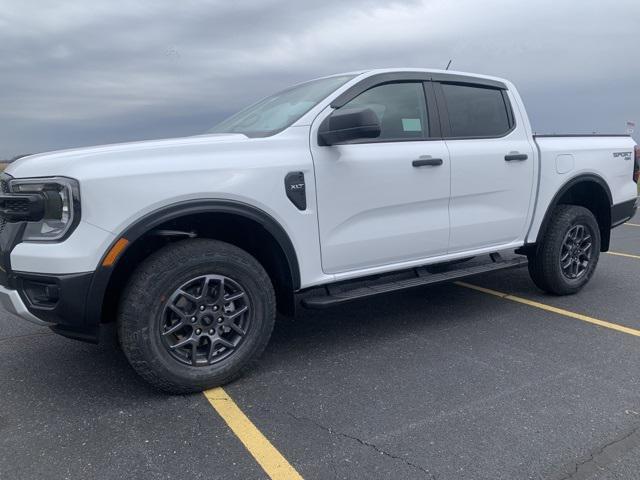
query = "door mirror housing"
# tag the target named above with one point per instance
(345, 125)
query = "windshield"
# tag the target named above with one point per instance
(277, 112)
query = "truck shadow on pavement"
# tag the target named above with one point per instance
(58, 368)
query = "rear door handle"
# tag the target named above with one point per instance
(515, 157)
(427, 162)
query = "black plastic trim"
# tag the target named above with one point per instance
(19, 207)
(467, 80)
(296, 189)
(348, 125)
(337, 293)
(507, 104)
(409, 76)
(443, 111)
(11, 235)
(67, 308)
(389, 140)
(435, 129)
(374, 81)
(587, 177)
(516, 157)
(427, 162)
(150, 221)
(621, 212)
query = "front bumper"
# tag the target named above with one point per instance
(57, 301)
(11, 301)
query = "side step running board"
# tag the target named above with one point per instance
(337, 294)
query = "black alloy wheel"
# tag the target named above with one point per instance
(205, 320)
(575, 253)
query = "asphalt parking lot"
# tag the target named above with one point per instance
(446, 382)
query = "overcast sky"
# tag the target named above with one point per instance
(98, 71)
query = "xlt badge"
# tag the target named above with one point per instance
(296, 190)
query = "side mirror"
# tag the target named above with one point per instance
(348, 124)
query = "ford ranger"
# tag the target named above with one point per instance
(333, 190)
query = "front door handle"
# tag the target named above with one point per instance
(515, 157)
(427, 162)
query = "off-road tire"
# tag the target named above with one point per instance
(144, 301)
(545, 261)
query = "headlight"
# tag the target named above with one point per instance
(61, 206)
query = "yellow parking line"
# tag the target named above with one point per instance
(628, 255)
(549, 308)
(269, 458)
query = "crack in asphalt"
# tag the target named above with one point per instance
(604, 455)
(331, 431)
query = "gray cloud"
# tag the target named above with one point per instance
(80, 73)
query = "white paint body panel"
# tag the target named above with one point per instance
(368, 215)
(592, 156)
(490, 197)
(374, 207)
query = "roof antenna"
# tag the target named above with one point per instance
(448, 65)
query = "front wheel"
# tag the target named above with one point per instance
(195, 315)
(566, 257)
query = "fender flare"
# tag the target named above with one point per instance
(585, 177)
(143, 225)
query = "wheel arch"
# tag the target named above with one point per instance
(588, 190)
(106, 284)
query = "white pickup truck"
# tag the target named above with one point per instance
(332, 190)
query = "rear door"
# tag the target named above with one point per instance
(384, 201)
(492, 165)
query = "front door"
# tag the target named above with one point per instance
(384, 201)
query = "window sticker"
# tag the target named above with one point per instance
(411, 125)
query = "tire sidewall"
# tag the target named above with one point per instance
(142, 322)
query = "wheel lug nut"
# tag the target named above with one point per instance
(193, 319)
(201, 307)
(220, 319)
(215, 308)
(211, 332)
(198, 331)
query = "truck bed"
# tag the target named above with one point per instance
(563, 157)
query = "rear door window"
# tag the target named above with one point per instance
(476, 111)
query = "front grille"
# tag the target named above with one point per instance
(4, 188)
(17, 205)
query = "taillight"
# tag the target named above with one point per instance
(636, 164)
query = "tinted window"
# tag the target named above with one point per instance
(401, 108)
(475, 111)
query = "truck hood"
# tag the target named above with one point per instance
(74, 161)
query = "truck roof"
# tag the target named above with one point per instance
(415, 69)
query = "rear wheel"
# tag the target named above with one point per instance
(195, 315)
(566, 257)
